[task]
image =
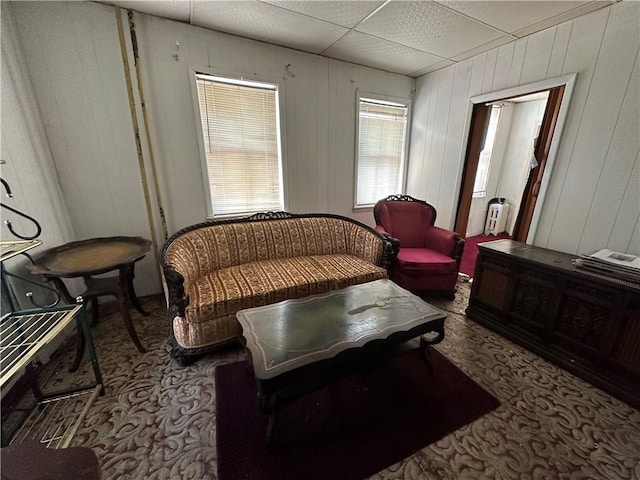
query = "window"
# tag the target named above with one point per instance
(484, 164)
(241, 135)
(380, 163)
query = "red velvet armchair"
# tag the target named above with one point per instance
(428, 256)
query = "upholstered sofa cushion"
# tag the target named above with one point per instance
(221, 293)
(198, 252)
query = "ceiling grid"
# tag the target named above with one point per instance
(405, 37)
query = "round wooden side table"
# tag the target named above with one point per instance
(91, 257)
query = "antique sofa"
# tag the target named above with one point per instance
(212, 270)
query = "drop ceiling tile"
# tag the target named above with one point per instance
(267, 23)
(175, 10)
(498, 42)
(374, 52)
(563, 17)
(510, 16)
(427, 26)
(345, 13)
(431, 68)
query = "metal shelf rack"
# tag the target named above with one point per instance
(11, 248)
(54, 421)
(54, 417)
(23, 334)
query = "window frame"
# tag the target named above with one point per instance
(282, 167)
(483, 192)
(399, 101)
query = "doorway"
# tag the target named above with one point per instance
(527, 207)
(512, 140)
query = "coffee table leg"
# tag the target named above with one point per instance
(270, 427)
(424, 353)
(425, 343)
(267, 405)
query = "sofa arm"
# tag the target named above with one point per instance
(394, 242)
(177, 300)
(446, 242)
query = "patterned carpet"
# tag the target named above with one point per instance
(157, 419)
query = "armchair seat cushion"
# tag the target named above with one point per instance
(426, 261)
(221, 293)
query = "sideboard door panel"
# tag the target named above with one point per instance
(535, 300)
(626, 351)
(493, 288)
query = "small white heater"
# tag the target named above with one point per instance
(497, 219)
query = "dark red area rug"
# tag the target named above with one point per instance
(470, 252)
(348, 430)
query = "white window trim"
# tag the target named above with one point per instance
(483, 192)
(193, 70)
(361, 94)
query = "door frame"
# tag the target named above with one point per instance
(529, 196)
(568, 81)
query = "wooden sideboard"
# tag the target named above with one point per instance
(587, 325)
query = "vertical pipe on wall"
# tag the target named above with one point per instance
(136, 132)
(145, 119)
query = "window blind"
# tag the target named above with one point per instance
(241, 140)
(381, 145)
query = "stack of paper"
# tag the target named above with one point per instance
(621, 266)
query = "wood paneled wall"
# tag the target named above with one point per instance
(74, 61)
(319, 114)
(593, 200)
(29, 170)
(73, 57)
(30, 173)
(73, 54)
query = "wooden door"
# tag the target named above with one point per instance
(541, 152)
(479, 125)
